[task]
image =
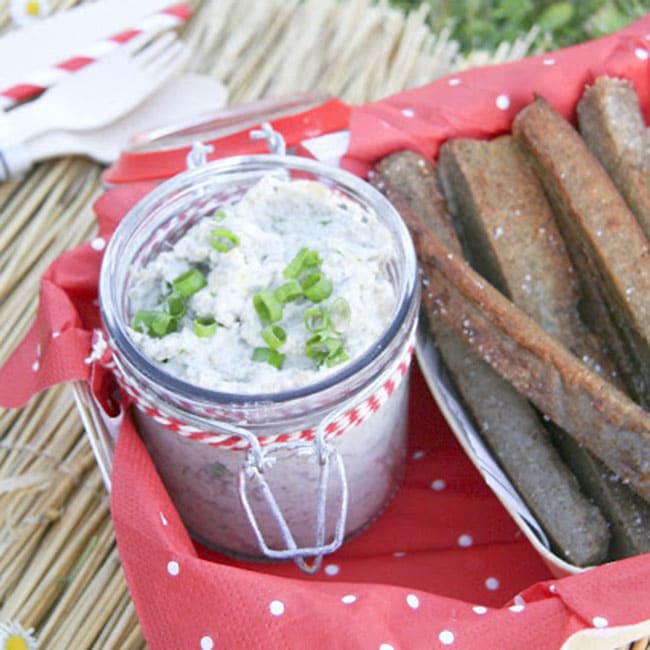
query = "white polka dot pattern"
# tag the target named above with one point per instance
(173, 568)
(412, 601)
(446, 637)
(503, 102)
(276, 607)
(465, 540)
(98, 244)
(438, 485)
(332, 569)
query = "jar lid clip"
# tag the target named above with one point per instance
(327, 457)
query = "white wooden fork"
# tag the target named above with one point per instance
(101, 92)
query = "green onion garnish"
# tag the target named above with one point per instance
(188, 283)
(288, 291)
(316, 319)
(304, 258)
(268, 355)
(339, 315)
(336, 358)
(175, 305)
(154, 323)
(316, 287)
(219, 215)
(274, 336)
(267, 306)
(322, 346)
(223, 240)
(204, 326)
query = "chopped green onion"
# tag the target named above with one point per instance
(316, 319)
(188, 283)
(311, 259)
(223, 240)
(267, 306)
(175, 305)
(154, 323)
(304, 258)
(268, 355)
(335, 359)
(288, 291)
(316, 287)
(204, 326)
(322, 346)
(142, 319)
(274, 336)
(339, 315)
(219, 215)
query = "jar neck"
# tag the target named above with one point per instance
(216, 422)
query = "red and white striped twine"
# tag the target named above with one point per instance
(41, 80)
(351, 418)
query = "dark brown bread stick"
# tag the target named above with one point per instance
(505, 418)
(498, 202)
(607, 246)
(612, 124)
(597, 415)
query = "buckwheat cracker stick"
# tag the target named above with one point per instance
(612, 124)
(607, 246)
(505, 418)
(498, 203)
(597, 415)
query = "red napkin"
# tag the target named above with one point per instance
(482, 102)
(444, 566)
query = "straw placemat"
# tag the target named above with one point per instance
(59, 569)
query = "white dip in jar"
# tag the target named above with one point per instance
(261, 313)
(257, 239)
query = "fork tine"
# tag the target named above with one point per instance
(152, 51)
(138, 42)
(176, 55)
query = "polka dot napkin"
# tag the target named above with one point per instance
(444, 566)
(482, 102)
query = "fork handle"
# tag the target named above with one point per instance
(24, 123)
(14, 162)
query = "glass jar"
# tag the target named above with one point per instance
(275, 475)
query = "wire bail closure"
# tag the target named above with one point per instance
(198, 154)
(274, 138)
(258, 461)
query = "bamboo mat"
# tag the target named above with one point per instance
(59, 569)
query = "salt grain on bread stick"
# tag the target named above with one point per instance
(498, 202)
(607, 246)
(597, 415)
(506, 419)
(612, 124)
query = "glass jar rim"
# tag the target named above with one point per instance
(136, 360)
